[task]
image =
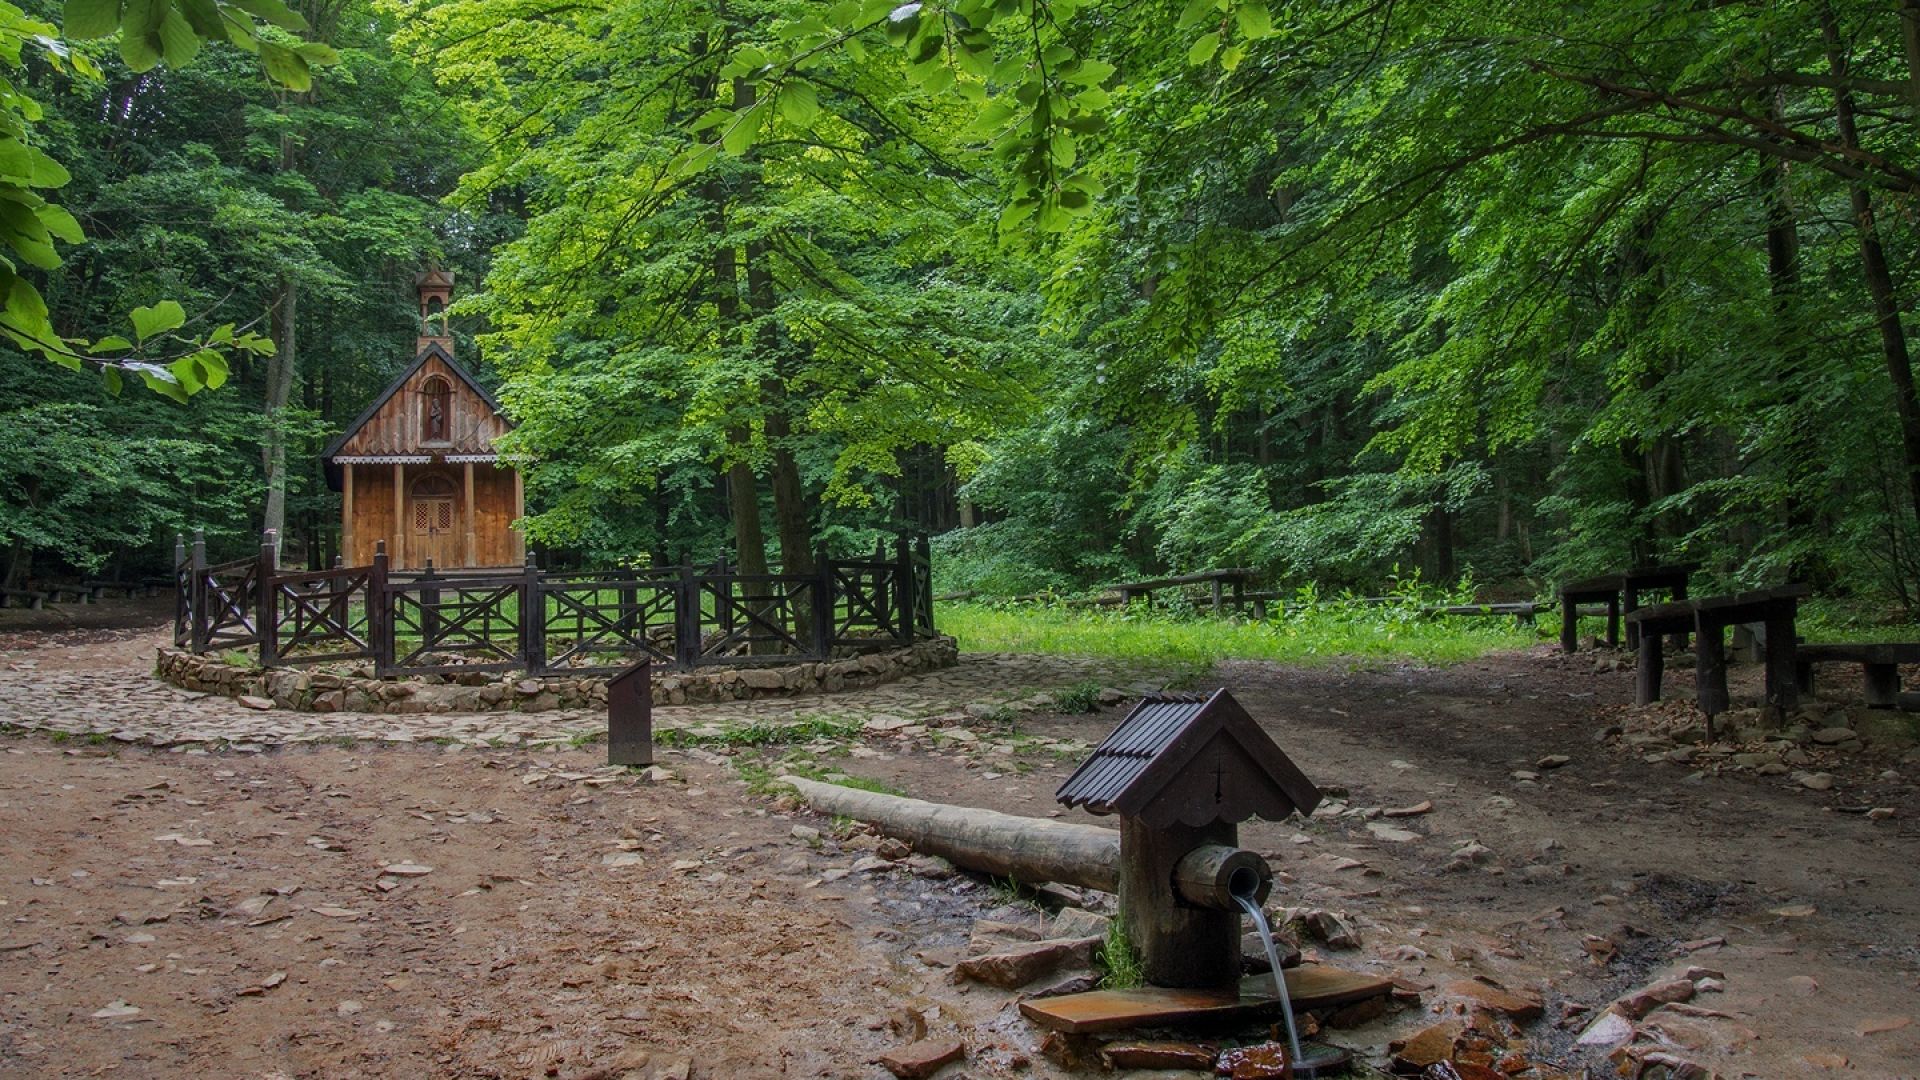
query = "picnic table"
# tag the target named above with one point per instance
(1621, 593)
(1708, 618)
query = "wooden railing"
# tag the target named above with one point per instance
(541, 622)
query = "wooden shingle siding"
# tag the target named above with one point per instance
(397, 426)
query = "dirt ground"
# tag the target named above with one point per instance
(271, 914)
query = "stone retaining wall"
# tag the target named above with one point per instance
(358, 691)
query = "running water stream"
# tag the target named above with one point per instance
(1252, 907)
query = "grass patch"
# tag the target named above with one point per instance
(1319, 633)
(1827, 621)
(761, 733)
(1121, 959)
(586, 738)
(761, 778)
(1081, 697)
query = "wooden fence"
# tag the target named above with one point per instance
(541, 622)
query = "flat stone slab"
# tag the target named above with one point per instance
(1310, 986)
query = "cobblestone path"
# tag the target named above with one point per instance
(134, 707)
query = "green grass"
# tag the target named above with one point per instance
(1322, 634)
(764, 734)
(1121, 959)
(761, 779)
(1827, 621)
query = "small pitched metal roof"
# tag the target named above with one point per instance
(1150, 765)
(432, 350)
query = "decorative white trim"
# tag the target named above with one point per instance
(384, 459)
(476, 459)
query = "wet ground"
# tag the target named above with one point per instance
(270, 914)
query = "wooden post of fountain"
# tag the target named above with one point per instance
(1182, 771)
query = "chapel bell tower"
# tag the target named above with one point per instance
(436, 290)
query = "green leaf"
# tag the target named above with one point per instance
(114, 380)
(160, 381)
(112, 343)
(740, 137)
(187, 372)
(285, 66)
(90, 19)
(272, 11)
(212, 368)
(799, 105)
(158, 319)
(1089, 73)
(178, 43)
(1203, 48)
(60, 223)
(315, 52)
(1254, 20)
(1195, 12)
(204, 17)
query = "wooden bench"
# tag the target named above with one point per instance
(29, 598)
(80, 594)
(1620, 593)
(1708, 618)
(101, 588)
(1879, 660)
(1218, 582)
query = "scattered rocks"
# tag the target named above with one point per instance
(1079, 923)
(1608, 1030)
(1517, 1006)
(1262, 1061)
(1818, 781)
(1427, 1047)
(1552, 761)
(254, 701)
(1422, 807)
(116, 1010)
(1013, 968)
(923, 1058)
(1158, 1055)
(1643, 1001)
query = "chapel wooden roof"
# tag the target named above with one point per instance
(390, 425)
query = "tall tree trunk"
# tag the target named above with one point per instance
(1879, 277)
(1783, 285)
(280, 371)
(743, 487)
(791, 515)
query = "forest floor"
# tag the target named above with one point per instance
(435, 909)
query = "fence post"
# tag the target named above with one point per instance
(723, 605)
(925, 583)
(686, 620)
(182, 594)
(823, 604)
(267, 601)
(903, 590)
(429, 605)
(199, 643)
(533, 619)
(380, 612)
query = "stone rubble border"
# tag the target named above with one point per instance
(322, 691)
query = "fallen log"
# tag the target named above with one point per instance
(1004, 845)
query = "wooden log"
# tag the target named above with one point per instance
(1569, 625)
(1004, 845)
(1783, 692)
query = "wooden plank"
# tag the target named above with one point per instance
(346, 513)
(1311, 986)
(1877, 652)
(468, 511)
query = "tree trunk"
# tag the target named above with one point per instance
(280, 371)
(1783, 284)
(791, 515)
(1879, 277)
(1033, 850)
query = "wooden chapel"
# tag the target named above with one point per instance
(418, 468)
